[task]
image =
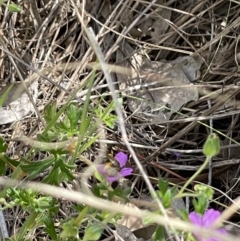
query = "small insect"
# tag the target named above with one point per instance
(112, 167)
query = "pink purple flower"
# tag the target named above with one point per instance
(122, 159)
(206, 220)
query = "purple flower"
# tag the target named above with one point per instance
(177, 154)
(111, 173)
(207, 221)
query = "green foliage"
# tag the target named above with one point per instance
(30, 201)
(12, 7)
(69, 131)
(165, 193)
(93, 232)
(5, 94)
(5, 160)
(106, 116)
(204, 193)
(49, 227)
(70, 229)
(158, 235)
(206, 190)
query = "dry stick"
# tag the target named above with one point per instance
(170, 142)
(3, 227)
(42, 72)
(189, 127)
(171, 36)
(45, 71)
(218, 36)
(228, 212)
(24, 85)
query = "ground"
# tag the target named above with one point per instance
(83, 80)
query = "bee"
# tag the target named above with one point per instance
(112, 167)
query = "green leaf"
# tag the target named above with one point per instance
(93, 232)
(201, 188)
(12, 7)
(96, 191)
(158, 235)
(73, 114)
(50, 228)
(174, 190)
(69, 230)
(36, 168)
(62, 126)
(5, 95)
(2, 168)
(3, 145)
(162, 186)
(183, 214)
(54, 177)
(66, 172)
(110, 121)
(50, 112)
(212, 145)
(12, 163)
(166, 199)
(200, 204)
(84, 117)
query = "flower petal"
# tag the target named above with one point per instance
(195, 218)
(207, 220)
(122, 158)
(209, 217)
(112, 179)
(101, 169)
(221, 231)
(126, 171)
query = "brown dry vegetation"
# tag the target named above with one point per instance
(48, 33)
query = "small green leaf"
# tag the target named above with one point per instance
(50, 228)
(10, 162)
(36, 168)
(212, 145)
(166, 199)
(200, 204)
(183, 214)
(5, 95)
(69, 230)
(12, 7)
(3, 145)
(93, 232)
(2, 168)
(74, 115)
(201, 188)
(50, 111)
(174, 190)
(110, 121)
(162, 186)
(158, 235)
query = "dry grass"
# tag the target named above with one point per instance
(48, 33)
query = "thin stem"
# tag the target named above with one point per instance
(201, 168)
(28, 225)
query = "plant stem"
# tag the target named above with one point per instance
(208, 158)
(28, 225)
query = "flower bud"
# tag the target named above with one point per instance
(212, 145)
